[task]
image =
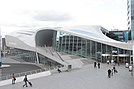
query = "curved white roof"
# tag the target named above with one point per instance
(27, 37)
(94, 33)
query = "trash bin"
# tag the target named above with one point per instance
(69, 67)
(127, 65)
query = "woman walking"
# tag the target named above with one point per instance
(13, 79)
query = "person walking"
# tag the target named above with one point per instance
(59, 70)
(25, 81)
(108, 62)
(112, 61)
(94, 64)
(115, 70)
(13, 79)
(98, 65)
(112, 72)
(109, 73)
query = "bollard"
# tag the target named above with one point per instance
(69, 67)
(131, 69)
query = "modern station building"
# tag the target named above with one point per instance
(49, 46)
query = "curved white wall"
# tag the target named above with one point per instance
(27, 39)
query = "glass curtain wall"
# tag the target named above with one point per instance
(30, 56)
(23, 55)
(130, 19)
(85, 48)
(47, 62)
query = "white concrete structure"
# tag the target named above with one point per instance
(35, 39)
(27, 37)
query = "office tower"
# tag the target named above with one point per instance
(130, 15)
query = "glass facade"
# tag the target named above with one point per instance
(30, 56)
(48, 62)
(75, 45)
(71, 44)
(23, 55)
(119, 35)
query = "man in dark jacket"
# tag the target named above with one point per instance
(25, 81)
(109, 73)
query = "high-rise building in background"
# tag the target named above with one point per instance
(119, 35)
(130, 18)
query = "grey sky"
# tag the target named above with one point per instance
(21, 14)
(52, 16)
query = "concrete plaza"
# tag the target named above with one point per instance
(84, 78)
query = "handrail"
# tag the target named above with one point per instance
(24, 73)
(50, 50)
(27, 73)
(59, 56)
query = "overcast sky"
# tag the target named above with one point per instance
(21, 14)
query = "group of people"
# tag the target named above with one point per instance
(96, 65)
(114, 62)
(112, 71)
(26, 82)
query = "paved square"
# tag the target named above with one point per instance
(85, 78)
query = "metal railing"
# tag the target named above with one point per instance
(24, 73)
(28, 73)
(52, 52)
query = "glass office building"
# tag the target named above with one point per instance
(130, 17)
(119, 35)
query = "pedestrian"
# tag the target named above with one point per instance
(25, 81)
(94, 64)
(118, 63)
(109, 73)
(115, 62)
(114, 69)
(107, 61)
(13, 79)
(58, 70)
(112, 61)
(98, 65)
(112, 72)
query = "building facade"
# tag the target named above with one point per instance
(130, 17)
(119, 35)
(47, 45)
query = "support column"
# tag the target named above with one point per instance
(37, 57)
(101, 53)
